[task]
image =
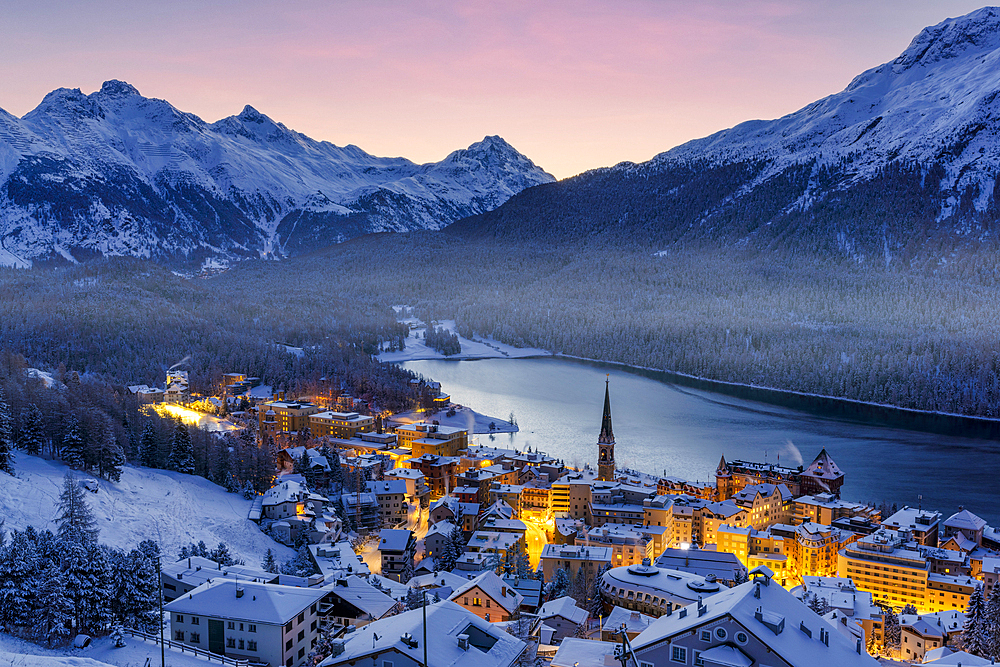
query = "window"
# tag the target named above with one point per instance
(741, 638)
(195, 620)
(170, 587)
(645, 664)
(721, 633)
(241, 627)
(195, 638)
(679, 654)
(302, 617)
(252, 645)
(312, 609)
(230, 642)
(288, 645)
(302, 635)
(179, 618)
(240, 645)
(312, 626)
(706, 636)
(302, 653)
(288, 626)
(231, 625)
(386, 663)
(179, 635)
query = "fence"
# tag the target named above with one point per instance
(187, 648)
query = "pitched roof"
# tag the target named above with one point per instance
(394, 539)
(965, 520)
(493, 586)
(575, 652)
(770, 613)
(259, 603)
(565, 607)
(607, 435)
(632, 620)
(362, 595)
(823, 467)
(489, 646)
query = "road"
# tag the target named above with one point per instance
(536, 540)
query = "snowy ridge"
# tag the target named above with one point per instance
(114, 172)
(936, 102)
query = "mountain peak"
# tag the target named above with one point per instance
(977, 31)
(251, 115)
(116, 88)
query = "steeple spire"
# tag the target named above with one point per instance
(607, 434)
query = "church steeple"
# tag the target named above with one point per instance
(607, 434)
(606, 441)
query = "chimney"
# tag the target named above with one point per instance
(239, 592)
(463, 642)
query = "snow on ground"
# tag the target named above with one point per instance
(168, 507)
(46, 378)
(484, 348)
(16, 652)
(464, 417)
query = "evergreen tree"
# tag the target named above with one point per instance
(181, 450)
(993, 623)
(149, 446)
(414, 599)
(6, 437)
(407, 572)
(975, 635)
(136, 594)
(891, 631)
(560, 584)
(579, 589)
(908, 610)
(76, 520)
(270, 565)
(73, 445)
(301, 565)
(32, 434)
(54, 610)
(89, 586)
(18, 567)
(222, 556)
(596, 607)
(111, 457)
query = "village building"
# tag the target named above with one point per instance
(563, 556)
(397, 548)
(922, 524)
(561, 618)
(822, 475)
(391, 496)
(653, 590)
(723, 567)
(422, 438)
(257, 622)
(351, 601)
(621, 619)
(284, 417)
(187, 574)
(339, 424)
(755, 623)
(488, 597)
(459, 639)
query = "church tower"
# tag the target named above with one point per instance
(606, 441)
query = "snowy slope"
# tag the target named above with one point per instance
(102, 652)
(168, 507)
(117, 173)
(901, 166)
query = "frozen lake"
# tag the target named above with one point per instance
(663, 428)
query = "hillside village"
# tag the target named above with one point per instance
(514, 558)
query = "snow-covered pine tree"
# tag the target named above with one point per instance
(891, 630)
(181, 450)
(6, 437)
(76, 521)
(136, 594)
(18, 568)
(71, 451)
(560, 584)
(223, 556)
(32, 435)
(89, 586)
(579, 589)
(270, 564)
(993, 623)
(975, 635)
(149, 446)
(908, 610)
(596, 606)
(53, 609)
(111, 458)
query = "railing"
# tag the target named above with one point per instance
(187, 648)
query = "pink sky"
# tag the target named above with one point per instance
(573, 85)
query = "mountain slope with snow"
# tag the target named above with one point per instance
(114, 172)
(909, 151)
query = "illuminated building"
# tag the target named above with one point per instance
(826, 508)
(765, 504)
(628, 545)
(535, 500)
(339, 424)
(564, 556)
(285, 417)
(897, 570)
(822, 475)
(852, 605)
(423, 438)
(440, 472)
(921, 524)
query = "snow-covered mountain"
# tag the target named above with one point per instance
(909, 150)
(114, 172)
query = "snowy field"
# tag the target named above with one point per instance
(485, 348)
(168, 507)
(15, 652)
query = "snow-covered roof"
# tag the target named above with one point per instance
(362, 595)
(912, 518)
(823, 467)
(488, 646)
(404, 473)
(259, 603)
(564, 607)
(389, 486)
(338, 559)
(721, 564)
(197, 570)
(445, 527)
(493, 586)
(965, 520)
(437, 580)
(632, 620)
(574, 652)
(773, 615)
(649, 581)
(286, 492)
(396, 539)
(939, 623)
(957, 659)
(572, 552)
